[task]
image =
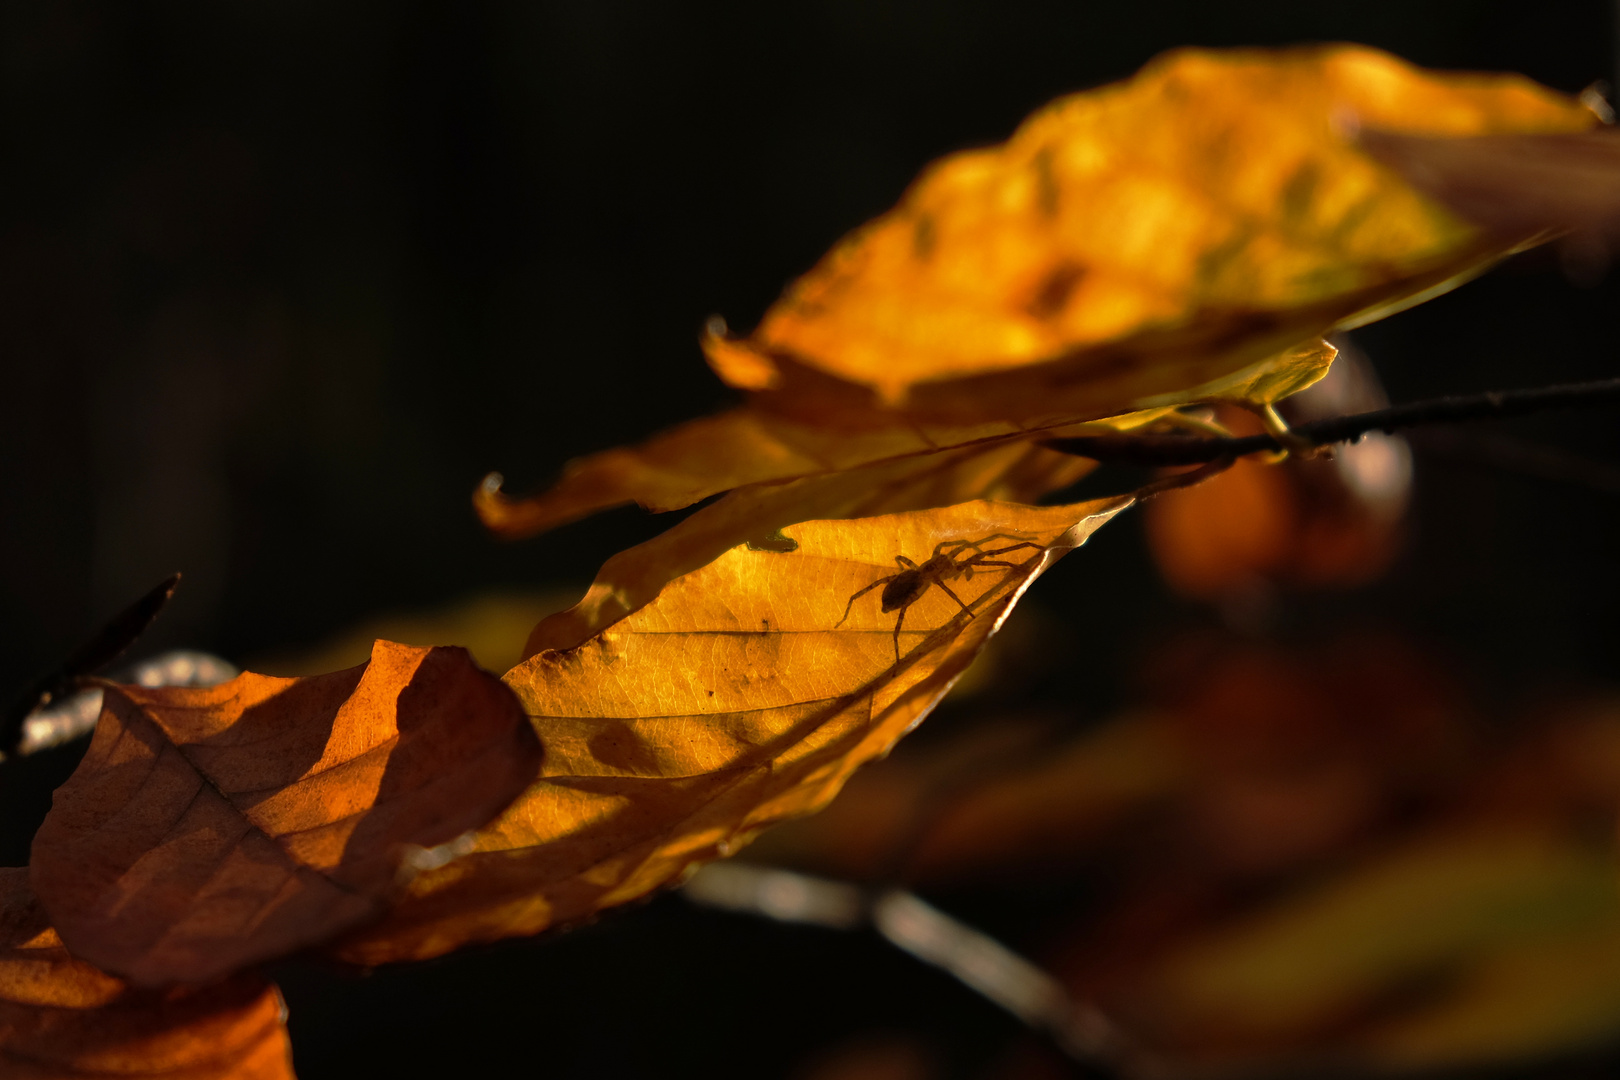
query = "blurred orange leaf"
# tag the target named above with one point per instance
(61, 1019)
(1333, 519)
(738, 698)
(208, 829)
(1137, 245)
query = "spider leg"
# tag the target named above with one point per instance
(997, 536)
(984, 558)
(897, 624)
(1003, 551)
(879, 583)
(953, 596)
(905, 563)
(943, 544)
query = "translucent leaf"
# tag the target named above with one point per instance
(745, 694)
(1132, 245)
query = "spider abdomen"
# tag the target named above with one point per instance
(904, 590)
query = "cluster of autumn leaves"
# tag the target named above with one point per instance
(1181, 239)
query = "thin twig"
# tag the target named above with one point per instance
(1078, 1030)
(1193, 450)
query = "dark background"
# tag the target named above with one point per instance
(279, 282)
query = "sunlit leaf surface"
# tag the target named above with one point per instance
(742, 696)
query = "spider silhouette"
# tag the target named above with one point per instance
(902, 590)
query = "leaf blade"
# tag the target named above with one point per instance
(733, 701)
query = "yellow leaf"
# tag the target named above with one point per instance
(745, 694)
(1132, 244)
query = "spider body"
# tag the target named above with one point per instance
(948, 562)
(907, 587)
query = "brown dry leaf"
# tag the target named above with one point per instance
(733, 701)
(1515, 184)
(209, 829)
(61, 1019)
(1143, 244)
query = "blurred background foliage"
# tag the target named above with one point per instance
(281, 282)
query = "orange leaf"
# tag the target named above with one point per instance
(1307, 522)
(61, 1019)
(738, 698)
(1134, 246)
(209, 829)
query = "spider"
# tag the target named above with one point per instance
(902, 590)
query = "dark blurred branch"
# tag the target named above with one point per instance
(1193, 449)
(103, 648)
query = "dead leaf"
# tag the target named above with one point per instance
(61, 1019)
(1139, 244)
(733, 701)
(1514, 185)
(209, 829)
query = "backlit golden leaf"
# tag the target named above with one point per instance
(208, 829)
(61, 1019)
(1132, 245)
(740, 697)
(1011, 471)
(746, 446)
